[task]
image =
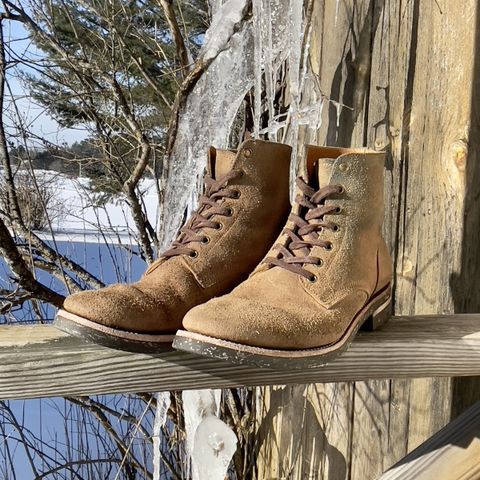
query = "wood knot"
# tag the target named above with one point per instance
(460, 154)
(408, 267)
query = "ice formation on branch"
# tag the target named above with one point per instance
(207, 118)
(224, 23)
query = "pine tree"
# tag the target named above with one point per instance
(113, 68)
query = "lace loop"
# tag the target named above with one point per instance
(209, 205)
(306, 230)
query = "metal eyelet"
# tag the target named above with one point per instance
(343, 167)
(236, 194)
(193, 254)
(247, 153)
(205, 240)
(338, 210)
(341, 189)
(329, 246)
(218, 226)
(319, 262)
(312, 278)
(229, 212)
(336, 228)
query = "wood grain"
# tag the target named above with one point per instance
(411, 73)
(40, 361)
(451, 454)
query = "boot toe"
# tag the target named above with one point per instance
(243, 321)
(121, 307)
(254, 322)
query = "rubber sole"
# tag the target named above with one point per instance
(372, 316)
(110, 337)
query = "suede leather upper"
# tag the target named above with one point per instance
(172, 286)
(279, 309)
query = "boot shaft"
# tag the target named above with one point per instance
(361, 174)
(349, 251)
(358, 257)
(258, 213)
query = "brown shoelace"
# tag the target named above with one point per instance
(305, 234)
(209, 205)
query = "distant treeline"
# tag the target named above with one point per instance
(79, 159)
(107, 170)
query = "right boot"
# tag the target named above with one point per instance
(242, 211)
(328, 275)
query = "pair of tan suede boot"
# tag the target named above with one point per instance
(252, 279)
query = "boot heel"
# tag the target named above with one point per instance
(378, 318)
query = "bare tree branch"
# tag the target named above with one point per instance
(176, 33)
(19, 268)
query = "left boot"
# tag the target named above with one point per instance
(243, 209)
(328, 275)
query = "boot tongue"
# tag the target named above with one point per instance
(220, 162)
(319, 165)
(322, 173)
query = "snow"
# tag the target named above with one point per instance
(80, 220)
(223, 25)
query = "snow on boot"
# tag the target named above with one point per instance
(239, 216)
(328, 275)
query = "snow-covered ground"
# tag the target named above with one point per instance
(81, 221)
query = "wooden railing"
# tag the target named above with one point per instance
(40, 361)
(452, 453)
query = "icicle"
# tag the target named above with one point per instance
(210, 442)
(310, 115)
(163, 404)
(257, 8)
(215, 444)
(269, 67)
(296, 40)
(270, 33)
(339, 107)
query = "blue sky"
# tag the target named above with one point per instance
(33, 114)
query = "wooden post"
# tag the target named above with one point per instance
(407, 70)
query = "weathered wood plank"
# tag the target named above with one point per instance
(40, 361)
(450, 454)
(411, 72)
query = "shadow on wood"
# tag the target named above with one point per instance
(464, 284)
(294, 432)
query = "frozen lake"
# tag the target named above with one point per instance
(109, 262)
